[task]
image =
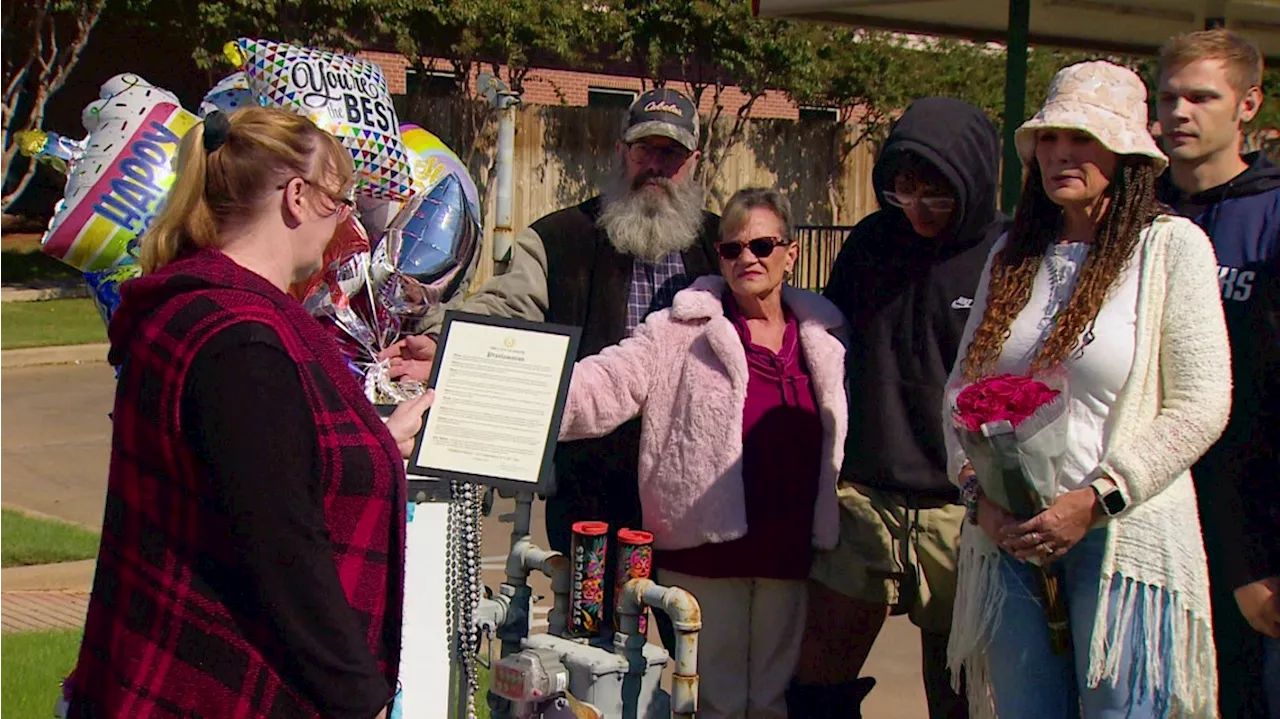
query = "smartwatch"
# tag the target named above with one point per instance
(1109, 496)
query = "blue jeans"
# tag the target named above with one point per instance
(1271, 674)
(1029, 680)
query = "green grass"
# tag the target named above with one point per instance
(34, 664)
(482, 693)
(28, 540)
(26, 264)
(49, 323)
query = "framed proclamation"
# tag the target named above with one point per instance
(500, 385)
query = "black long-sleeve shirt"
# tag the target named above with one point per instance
(246, 416)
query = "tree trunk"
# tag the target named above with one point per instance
(27, 91)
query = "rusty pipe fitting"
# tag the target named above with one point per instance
(686, 616)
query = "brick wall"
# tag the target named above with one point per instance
(550, 86)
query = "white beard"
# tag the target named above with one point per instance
(651, 222)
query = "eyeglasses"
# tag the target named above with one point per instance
(932, 204)
(669, 157)
(346, 203)
(761, 247)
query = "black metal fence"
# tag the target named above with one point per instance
(819, 245)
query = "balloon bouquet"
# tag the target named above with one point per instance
(411, 245)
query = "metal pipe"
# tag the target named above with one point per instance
(516, 587)
(686, 616)
(523, 558)
(527, 557)
(1015, 99)
(520, 520)
(502, 229)
(555, 566)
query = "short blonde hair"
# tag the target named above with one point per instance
(214, 189)
(1242, 59)
(750, 198)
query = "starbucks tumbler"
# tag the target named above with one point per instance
(635, 561)
(590, 545)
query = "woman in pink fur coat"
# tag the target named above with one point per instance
(740, 386)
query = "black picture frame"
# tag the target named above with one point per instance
(546, 472)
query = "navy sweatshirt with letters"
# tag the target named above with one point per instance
(1238, 480)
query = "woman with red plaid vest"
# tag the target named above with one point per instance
(253, 541)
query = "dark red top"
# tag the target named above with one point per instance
(190, 613)
(781, 460)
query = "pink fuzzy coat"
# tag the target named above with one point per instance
(685, 371)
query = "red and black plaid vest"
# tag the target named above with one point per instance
(158, 642)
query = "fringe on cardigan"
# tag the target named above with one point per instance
(1169, 651)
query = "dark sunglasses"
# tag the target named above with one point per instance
(761, 247)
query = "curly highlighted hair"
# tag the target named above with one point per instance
(1037, 223)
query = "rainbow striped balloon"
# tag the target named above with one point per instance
(432, 161)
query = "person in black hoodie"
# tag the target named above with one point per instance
(905, 280)
(1209, 88)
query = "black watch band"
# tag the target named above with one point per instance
(1111, 499)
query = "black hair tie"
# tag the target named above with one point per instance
(217, 128)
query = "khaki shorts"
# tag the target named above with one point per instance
(891, 554)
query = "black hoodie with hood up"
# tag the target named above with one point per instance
(907, 299)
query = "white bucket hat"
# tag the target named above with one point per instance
(1103, 99)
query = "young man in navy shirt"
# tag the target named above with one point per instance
(1209, 89)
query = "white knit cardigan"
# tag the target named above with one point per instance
(1172, 408)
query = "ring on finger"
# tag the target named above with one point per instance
(1048, 549)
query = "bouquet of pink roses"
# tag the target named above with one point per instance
(1014, 432)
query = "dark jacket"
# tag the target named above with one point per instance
(907, 299)
(1237, 479)
(172, 629)
(588, 283)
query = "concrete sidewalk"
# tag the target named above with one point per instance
(40, 356)
(56, 436)
(57, 439)
(45, 596)
(61, 577)
(41, 291)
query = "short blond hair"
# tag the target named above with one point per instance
(750, 198)
(1242, 59)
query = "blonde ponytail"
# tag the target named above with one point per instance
(258, 146)
(186, 217)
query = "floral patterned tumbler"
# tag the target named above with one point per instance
(590, 547)
(635, 561)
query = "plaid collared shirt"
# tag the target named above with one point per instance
(654, 286)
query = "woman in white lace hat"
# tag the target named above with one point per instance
(1095, 280)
